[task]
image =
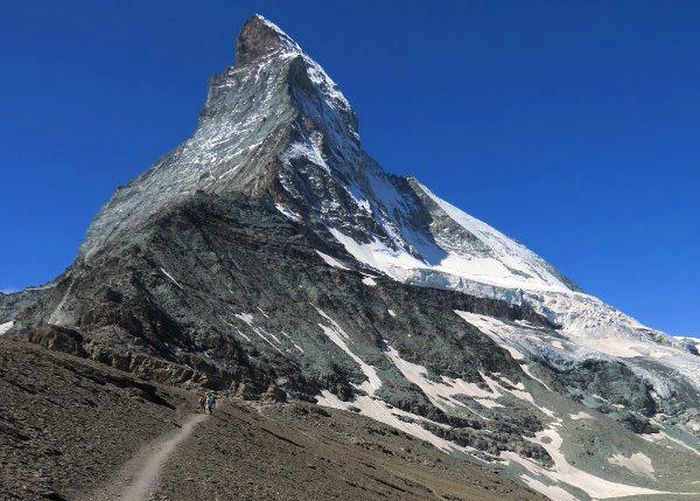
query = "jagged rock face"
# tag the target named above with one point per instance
(206, 270)
(258, 119)
(257, 41)
(12, 304)
(270, 251)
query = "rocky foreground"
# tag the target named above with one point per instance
(67, 425)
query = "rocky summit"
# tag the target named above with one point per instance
(271, 257)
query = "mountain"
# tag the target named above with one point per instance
(270, 254)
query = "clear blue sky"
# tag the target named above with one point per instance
(571, 126)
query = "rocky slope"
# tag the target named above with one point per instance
(270, 253)
(67, 425)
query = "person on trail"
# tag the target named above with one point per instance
(211, 401)
(202, 401)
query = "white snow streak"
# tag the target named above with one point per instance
(247, 318)
(369, 281)
(581, 415)
(331, 261)
(172, 279)
(637, 463)
(6, 327)
(288, 213)
(442, 395)
(382, 412)
(336, 334)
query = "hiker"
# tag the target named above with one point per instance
(202, 401)
(211, 401)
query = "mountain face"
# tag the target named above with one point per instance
(271, 253)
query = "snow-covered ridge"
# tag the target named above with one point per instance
(470, 256)
(511, 264)
(510, 272)
(502, 263)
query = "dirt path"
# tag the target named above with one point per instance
(137, 479)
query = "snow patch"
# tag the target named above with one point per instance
(6, 327)
(247, 318)
(489, 404)
(496, 329)
(289, 214)
(506, 264)
(295, 345)
(243, 335)
(637, 463)
(562, 471)
(441, 394)
(336, 334)
(529, 374)
(305, 151)
(369, 281)
(382, 412)
(379, 256)
(581, 415)
(331, 261)
(553, 492)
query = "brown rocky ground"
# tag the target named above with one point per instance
(68, 425)
(301, 452)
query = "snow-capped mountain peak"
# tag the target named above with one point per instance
(261, 41)
(271, 249)
(261, 38)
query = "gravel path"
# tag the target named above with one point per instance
(136, 481)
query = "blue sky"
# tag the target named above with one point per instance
(570, 126)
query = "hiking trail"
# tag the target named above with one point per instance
(138, 478)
